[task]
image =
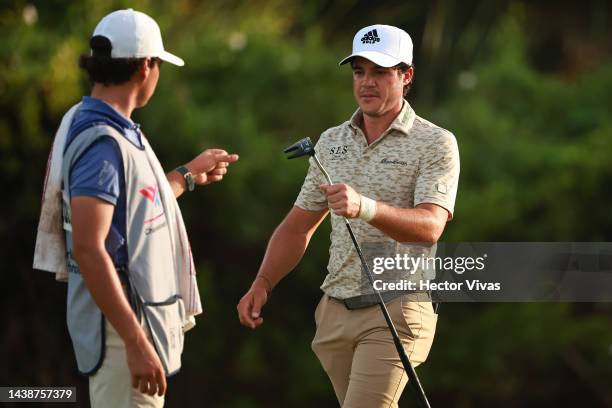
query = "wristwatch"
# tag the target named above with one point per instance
(187, 176)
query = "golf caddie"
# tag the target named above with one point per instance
(110, 224)
(395, 178)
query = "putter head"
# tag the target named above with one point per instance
(303, 147)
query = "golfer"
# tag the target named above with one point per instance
(131, 285)
(396, 178)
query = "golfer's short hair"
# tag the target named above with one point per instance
(402, 67)
(103, 69)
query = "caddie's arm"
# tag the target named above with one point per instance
(208, 167)
(285, 250)
(91, 222)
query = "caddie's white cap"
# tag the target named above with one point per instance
(133, 34)
(384, 45)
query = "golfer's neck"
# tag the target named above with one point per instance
(121, 97)
(374, 126)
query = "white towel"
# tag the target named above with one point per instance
(50, 250)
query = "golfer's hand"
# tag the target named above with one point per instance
(342, 199)
(210, 166)
(146, 368)
(249, 307)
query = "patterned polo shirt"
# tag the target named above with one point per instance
(413, 162)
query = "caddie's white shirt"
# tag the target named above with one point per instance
(413, 162)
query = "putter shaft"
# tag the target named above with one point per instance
(325, 173)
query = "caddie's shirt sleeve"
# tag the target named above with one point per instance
(311, 198)
(98, 172)
(438, 175)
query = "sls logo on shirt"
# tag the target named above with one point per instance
(338, 152)
(151, 193)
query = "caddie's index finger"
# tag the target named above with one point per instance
(225, 157)
(216, 151)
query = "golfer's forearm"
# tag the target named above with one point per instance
(407, 224)
(284, 252)
(103, 283)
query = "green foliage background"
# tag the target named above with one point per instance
(535, 147)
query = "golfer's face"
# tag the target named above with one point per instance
(377, 89)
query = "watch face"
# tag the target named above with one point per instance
(189, 180)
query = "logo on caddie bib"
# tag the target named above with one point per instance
(151, 193)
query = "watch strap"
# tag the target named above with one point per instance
(187, 176)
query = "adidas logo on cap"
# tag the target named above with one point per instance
(384, 45)
(370, 37)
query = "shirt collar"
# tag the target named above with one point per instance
(101, 107)
(127, 127)
(402, 122)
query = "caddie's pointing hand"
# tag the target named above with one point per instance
(210, 166)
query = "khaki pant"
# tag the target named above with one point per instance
(111, 385)
(357, 352)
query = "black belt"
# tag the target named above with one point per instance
(363, 301)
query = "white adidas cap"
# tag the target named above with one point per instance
(384, 45)
(134, 35)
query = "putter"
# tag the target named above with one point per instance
(305, 147)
